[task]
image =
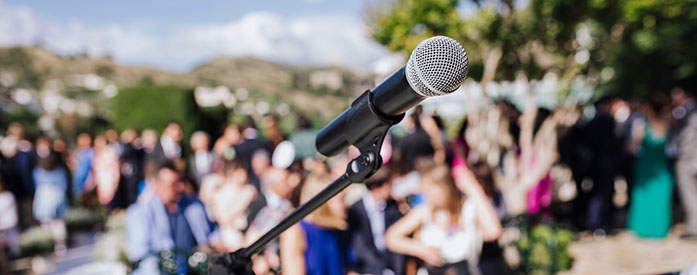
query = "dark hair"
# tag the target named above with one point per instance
(167, 165)
(232, 165)
(378, 179)
(658, 102)
(484, 176)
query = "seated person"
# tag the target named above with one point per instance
(170, 221)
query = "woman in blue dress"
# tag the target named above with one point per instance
(318, 244)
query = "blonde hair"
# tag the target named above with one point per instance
(440, 177)
(323, 215)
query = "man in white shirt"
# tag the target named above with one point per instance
(368, 220)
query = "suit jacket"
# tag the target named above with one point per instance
(368, 259)
(148, 230)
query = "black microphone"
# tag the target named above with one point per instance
(437, 66)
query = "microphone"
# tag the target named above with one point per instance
(437, 66)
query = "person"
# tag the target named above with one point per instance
(651, 196)
(231, 203)
(318, 244)
(83, 156)
(50, 201)
(106, 172)
(685, 138)
(169, 221)
(491, 257)
(367, 220)
(131, 166)
(17, 161)
(604, 149)
(452, 228)
(169, 149)
(148, 139)
(202, 161)
(277, 190)
(9, 229)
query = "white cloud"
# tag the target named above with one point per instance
(314, 40)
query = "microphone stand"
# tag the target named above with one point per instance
(357, 171)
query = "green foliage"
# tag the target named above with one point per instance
(150, 106)
(18, 60)
(641, 46)
(543, 247)
(36, 240)
(656, 49)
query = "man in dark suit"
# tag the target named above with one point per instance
(368, 220)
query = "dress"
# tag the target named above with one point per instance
(327, 250)
(649, 210)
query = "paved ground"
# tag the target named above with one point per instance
(626, 254)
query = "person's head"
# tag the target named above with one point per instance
(332, 214)
(174, 131)
(84, 141)
(43, 147)
(679, 96)
(232, 134)
(380, 183)
(439, 188)
(16, 130)
(260, 161)
(128, 136)
(235, 172)
(168, 184)
(657, 106)
(276, 180)
(99, 143)
(199, 141)
(59, 145)
(149, 138)
(111, 136)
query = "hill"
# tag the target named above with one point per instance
(308, 89)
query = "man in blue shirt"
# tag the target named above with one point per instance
(170, 221)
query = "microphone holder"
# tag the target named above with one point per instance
(358, 170)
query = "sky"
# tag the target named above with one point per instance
(182, 34)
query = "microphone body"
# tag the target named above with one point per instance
(437, 66)
(389, 100)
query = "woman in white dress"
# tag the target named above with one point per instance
(449, 227)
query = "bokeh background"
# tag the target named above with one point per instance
(289, 67)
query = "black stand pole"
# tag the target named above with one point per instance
(359, 169)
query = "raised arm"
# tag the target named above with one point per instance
(397, 237)
(487, 220)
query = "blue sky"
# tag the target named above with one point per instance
(179, 34)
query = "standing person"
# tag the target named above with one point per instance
(9, 229)
(83, 156)
(452, 228)
(649, 207)
(50, 202)
(685, 138)
(17, 163)
(604, 149)
(318, 244)
(368, 219)
(131, 166)
(148, 139)
(169, 149)
(202, 160)
(170, 221)
(106, 172)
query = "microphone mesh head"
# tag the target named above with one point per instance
(437, 66)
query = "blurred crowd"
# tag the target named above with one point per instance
(438, 204)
